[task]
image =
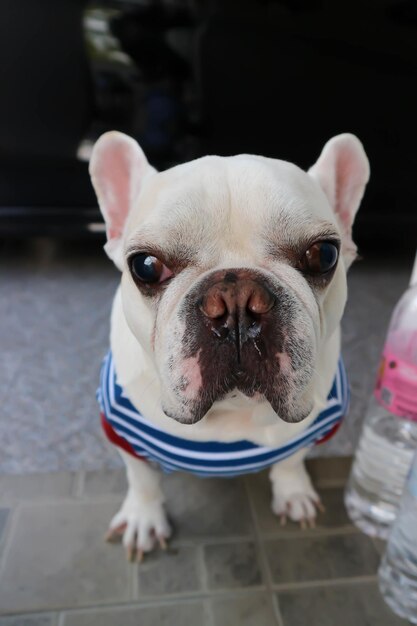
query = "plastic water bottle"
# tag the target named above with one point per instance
(398, 571)
(389, 436)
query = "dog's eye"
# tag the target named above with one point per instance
(148, 269)
(320, 258)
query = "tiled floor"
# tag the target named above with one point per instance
(230, 562)
(55, 300)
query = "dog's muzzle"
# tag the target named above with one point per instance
(240, 331)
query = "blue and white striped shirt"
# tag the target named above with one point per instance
(127, 427)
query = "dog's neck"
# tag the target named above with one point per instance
(235, 417)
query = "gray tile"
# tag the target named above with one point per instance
(58, 558)
(329, 471)
(302, 559)
(207, 507)
(29, 620)
(175, 571)
(344, 605)
(105, 481)
(4, 514)
(334, 515)
(232, 565)
(252, 609)
(190, 613)
(35, 486)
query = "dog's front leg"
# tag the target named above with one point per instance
(293, 494)
(141, 519)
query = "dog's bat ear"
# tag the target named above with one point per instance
(118, 168)
(342, 171)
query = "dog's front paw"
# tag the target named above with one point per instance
(299, 507)
(143, 525)
(294, 497)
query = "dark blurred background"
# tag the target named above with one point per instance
(191, 77)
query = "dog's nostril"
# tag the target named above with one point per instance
(213, 306)
(260, 301)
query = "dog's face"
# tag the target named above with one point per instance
(233, 269)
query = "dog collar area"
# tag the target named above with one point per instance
(127, 428)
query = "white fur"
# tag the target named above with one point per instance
(223, 210)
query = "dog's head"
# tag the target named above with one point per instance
(233, 269)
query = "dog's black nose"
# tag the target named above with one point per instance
(234, 308)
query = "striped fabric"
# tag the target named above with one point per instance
(128, 428)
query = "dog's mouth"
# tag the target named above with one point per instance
(274, 387)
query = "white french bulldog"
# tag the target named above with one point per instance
(225, 327)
